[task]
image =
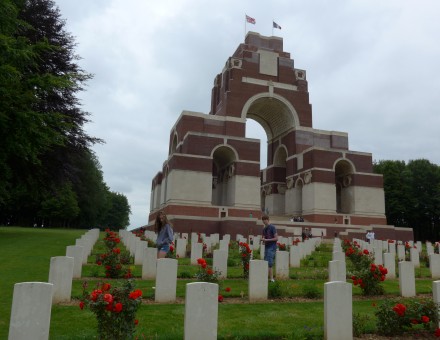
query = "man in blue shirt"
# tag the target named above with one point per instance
(270, 238)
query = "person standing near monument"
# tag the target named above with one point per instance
(165, 235)
(270, 238)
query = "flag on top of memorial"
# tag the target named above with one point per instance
(275, 25)
(250, 20)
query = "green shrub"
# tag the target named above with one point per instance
(359, 324)
(310, 291)
(275, 290)
(185, 275)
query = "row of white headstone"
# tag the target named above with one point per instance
(32, 301)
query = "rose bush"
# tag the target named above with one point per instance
(395, 317)
(365, 272)
(115, 309)
(246, 255)
(114, 258)
(206, 273)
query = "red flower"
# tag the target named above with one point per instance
(353, 277)
(209, 272)
(437, 333)
(136, 321)
(220, 298)
(414, 321)
(399, 309)
(108, 298)
(106, 287)
(81, 305)
(171, 248)
(203, 265)
(118, 307)
(95, 294)
(227, 289)
(116, 250)
(425, 319)
(366, 252)
(200, 261)
(135, 294)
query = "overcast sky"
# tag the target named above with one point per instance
(372, 69)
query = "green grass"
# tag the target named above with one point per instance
(26, 254)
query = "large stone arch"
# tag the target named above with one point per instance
(273, 112)
(344, 170)
(223, 169)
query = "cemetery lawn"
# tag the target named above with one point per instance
(297, 314)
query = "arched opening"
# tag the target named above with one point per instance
(223, 170)
(344, 190)
(174, 144)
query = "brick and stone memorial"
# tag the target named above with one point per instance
(61, 275)
(201, 311)
(31, 310)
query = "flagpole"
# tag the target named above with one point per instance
(244, 27)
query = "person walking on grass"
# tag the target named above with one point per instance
(164, 235)
(270, 238)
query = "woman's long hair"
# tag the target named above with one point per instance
(158, 225)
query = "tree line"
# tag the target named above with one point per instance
(48, 172)
(412, 196)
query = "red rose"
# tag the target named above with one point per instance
(203, 265)
(106, 287)
(227, 289)
(98, 263)
(366, 252)
(81, 305)
(414, 321)
(108, 298)
(425, 319)
(220, 298)
(136, 321)
(209, 272)
(118, 307)
(437, 333)
(399, 309)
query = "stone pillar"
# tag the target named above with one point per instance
(338, 315)
(166, 280)
(258, 281)
(407, 281)
(282, 265)
(31, 309)
(220, 263)
(61, 275)
(201, 311)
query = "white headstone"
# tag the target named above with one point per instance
(258, 281)
(434, 265)
(282, 264)
(166, 280)
(220, 262)
(201, 311)
(31, 309)
(61, 275)
(415, 257)
(337, 271)
(401, 252)
(389, 260)
(77, 253)
(407, 281)
(149, 264)
(338, 315)
(295, 257)
(196, 252)
(436, 295)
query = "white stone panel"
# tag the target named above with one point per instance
(369, 200)
(268, 62)
(181, 184)
(247, 191)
